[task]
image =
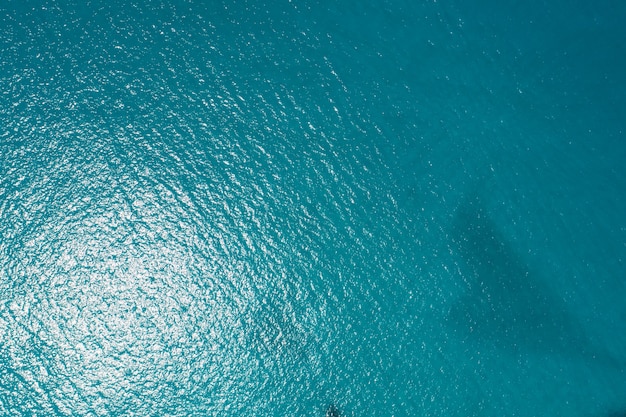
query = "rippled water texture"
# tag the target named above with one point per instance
(307, 208)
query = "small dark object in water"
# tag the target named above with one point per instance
(332, 411)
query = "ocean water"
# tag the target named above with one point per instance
(265, 208)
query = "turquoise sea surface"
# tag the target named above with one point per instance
(309, 208)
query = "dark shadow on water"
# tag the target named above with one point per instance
(506, 304)
(332, 411)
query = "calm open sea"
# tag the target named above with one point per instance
(265, 208)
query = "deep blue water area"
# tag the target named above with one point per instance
(309, 208)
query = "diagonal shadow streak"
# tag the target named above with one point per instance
(506, 304)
